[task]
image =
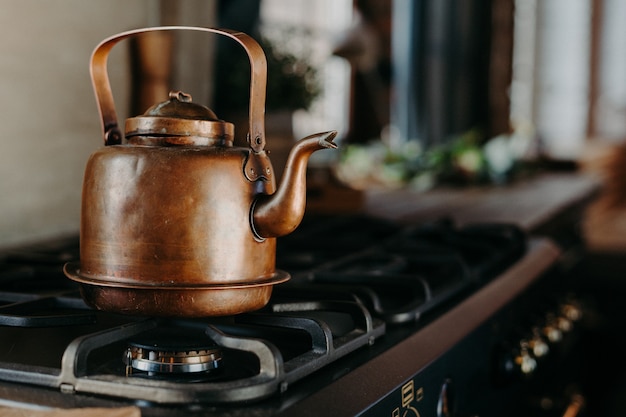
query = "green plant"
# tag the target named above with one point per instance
(466, 159)
(292, 81)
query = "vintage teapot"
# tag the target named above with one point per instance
(175, 220)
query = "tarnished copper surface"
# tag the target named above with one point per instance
(280, 214)
(178, 121)
(160, 215)
(106, 103)
(174, 302)
(175, 221)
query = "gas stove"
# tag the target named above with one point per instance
(379, 318)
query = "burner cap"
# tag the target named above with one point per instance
(172, 351)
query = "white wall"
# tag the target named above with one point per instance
(49, 123)
(611, 110)
(48, 118)
(562, 79)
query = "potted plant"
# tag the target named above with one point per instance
(292, 84)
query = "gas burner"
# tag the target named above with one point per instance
(155, 361)
(172, 351)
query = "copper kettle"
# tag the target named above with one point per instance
(175, 220)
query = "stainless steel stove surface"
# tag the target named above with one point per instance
(378, 319)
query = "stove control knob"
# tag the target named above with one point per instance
(572, 311)
(538, 345)
(445, 403)
(564, 324)
(504, 368)
(551, 329)
(525, 362)
(513, 363)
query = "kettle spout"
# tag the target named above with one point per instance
(280, 213)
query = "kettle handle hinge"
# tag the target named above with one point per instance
(258, 80)
(258, 166)
(112, 135)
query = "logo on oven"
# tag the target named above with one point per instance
(410, 395)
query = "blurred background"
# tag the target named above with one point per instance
(453, 90)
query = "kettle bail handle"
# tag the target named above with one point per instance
(258, 79)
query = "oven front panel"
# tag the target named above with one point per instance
(494, 372)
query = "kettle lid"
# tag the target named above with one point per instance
(178, 121)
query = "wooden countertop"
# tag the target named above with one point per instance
(528, 203)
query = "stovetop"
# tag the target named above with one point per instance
(361, 288)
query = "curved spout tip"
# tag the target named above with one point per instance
(280, 213)
(326, 139)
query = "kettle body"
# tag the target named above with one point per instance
(177, 222)
(156, 219)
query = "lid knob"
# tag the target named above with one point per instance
(179, 121)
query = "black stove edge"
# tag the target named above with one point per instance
(354, 393)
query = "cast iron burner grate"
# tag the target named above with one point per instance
(353, 278)
(261, 354)
(401, 274)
